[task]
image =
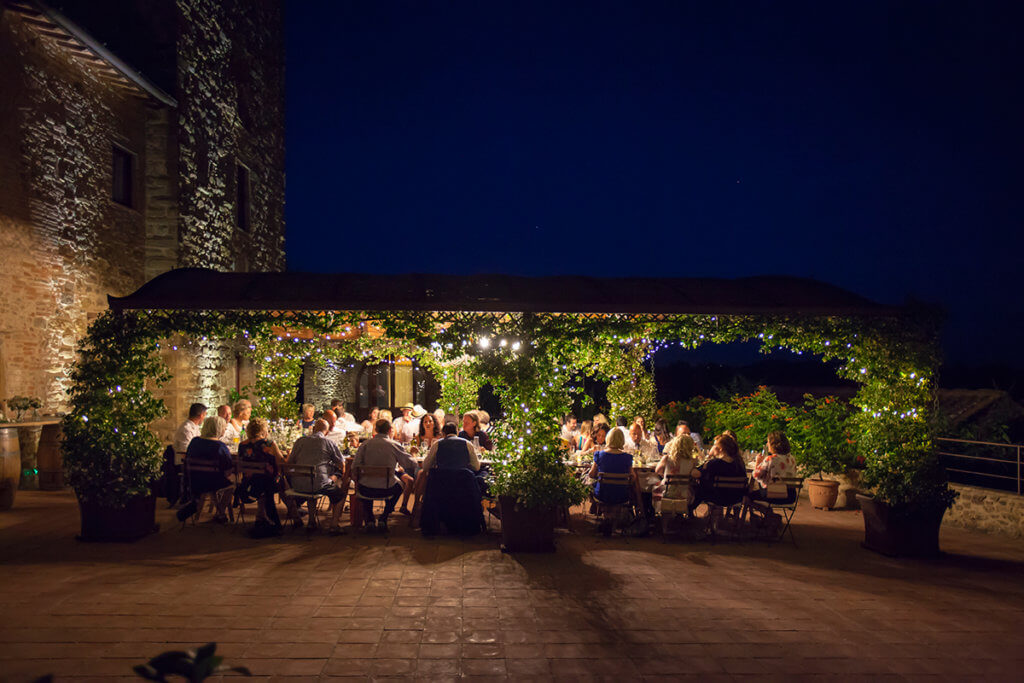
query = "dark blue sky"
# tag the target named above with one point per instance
(876, 146)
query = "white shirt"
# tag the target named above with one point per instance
(231, 432)
(406, 430)
(569, 434)
(183, 437)
(646, 450)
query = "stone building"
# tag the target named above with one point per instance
(136, 136)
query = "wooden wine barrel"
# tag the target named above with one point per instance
(10, 466)
(48, 458)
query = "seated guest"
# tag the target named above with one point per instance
(381, 451)
(338, 407)
(405, 427)
(236, 425)
(678, 459)
(639, 420)
(451, 452)
(598, 437)
(612, 460)
(429, 433)
(335, 432)
(660, 435)
(583, 435)
(471, 430)
(208, 447)
(306, 421)
(569, 428)
(620, 426)
(257, 447)
(643, 448)
(683, 427)
(329, 468)
(725, 463)
(367, 424)
(190, 428)
(778, 464)
(485, 420)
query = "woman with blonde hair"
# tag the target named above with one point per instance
(678, 459)
(584, 434)
(209, 448)
(306, 420)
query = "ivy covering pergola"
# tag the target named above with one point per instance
(533, 339)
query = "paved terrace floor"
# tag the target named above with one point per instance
(300, 607)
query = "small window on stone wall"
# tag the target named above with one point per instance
(122, 188)
(242, 199)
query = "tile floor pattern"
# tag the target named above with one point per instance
(302, 608)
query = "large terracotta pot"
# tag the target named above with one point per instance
(823, 493)
(900, 531)
(526, 530)
(10, 466)
(129, 523)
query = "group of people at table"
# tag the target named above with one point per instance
(337, 448)
(412, 445)
(622, 450)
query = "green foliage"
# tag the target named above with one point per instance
(822, 436)
(19, 404)
(692, 411)
(750, 417)
(192, 665)
(540, 369)
(110, 455)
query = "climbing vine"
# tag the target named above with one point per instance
(535, 362)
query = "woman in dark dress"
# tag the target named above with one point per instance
(259, 448)
(208, 447)
(726, 463)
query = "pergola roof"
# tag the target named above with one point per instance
(202, 289)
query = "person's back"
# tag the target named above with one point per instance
(320, 452)
(612, 462)
(722, 467)
(258, 451)
(202, 449)
(453, 453)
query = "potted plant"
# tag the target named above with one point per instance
(111, 458)
(909, 492)
(531, 481)
(822, 444)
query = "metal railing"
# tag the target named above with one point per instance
(983, 470)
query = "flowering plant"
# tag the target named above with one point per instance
(750, 417)
(822, 436)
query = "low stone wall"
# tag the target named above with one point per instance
(998, 512)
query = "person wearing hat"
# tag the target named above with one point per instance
(407, 426)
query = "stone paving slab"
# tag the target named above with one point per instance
(308, 607)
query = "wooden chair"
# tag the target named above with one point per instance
(195, 466)
(718, 514)
(620, 510)
(306, 474)
(355, 506)
(674, 507)
(243, 470)
(781, 498)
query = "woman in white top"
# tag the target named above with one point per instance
(678, 459)
(235, 430)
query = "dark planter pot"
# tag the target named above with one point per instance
(129, 523)
(900, 531)
(526, 530)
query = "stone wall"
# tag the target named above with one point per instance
(64, 243)
(998, 512)
(231, 112)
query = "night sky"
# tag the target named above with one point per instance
(876, 146)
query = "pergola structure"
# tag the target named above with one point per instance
(533, 339)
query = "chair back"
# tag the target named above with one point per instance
(677, 480)
(784, 488)
(373, 471)
(300, 473)
(249, 468)
(194, 465)
(730, 483)
(613, 479)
